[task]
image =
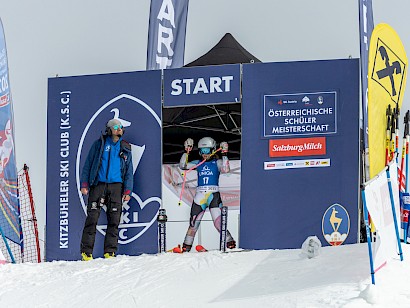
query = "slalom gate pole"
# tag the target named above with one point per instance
(369, 242)
(224, 228)
(189, 170)
(31, 199)
(394, 213)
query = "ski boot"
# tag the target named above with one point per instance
(86, 256)
(186, 247)
(177, 249)
(109, 255)
(231, 244)
(182, 249)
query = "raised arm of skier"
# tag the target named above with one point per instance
(184, 162)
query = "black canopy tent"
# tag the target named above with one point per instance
(221, 122)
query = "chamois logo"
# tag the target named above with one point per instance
(335, 224)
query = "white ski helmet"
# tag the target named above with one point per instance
(206, 142)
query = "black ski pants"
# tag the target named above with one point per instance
(111, 196)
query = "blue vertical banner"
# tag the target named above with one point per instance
(366, 25)
(9, 205)
(78, 109)
(166, 34)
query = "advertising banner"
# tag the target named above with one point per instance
(299, 153)
(229, 183)
(78, 110)
(9, 205)
(366, 25)
(166, 34)
(297, 147)
(379, 204)
(202, 85)
(387, 82)
(300, 114)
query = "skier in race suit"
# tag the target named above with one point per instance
(207, 193)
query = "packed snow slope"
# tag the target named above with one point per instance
(338, 277)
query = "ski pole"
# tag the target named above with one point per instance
(397, 132)
(403, 154)
(406, 131)
(190, 169)
(388, 114)
(392, 135)
(407, 164)
(396, 119)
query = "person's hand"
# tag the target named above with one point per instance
(188, 144)
(126, 198)
(224, 147)
(84, 191)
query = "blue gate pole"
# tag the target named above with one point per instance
(394, 213)
(369, 243)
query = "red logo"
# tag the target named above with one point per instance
(297, 147)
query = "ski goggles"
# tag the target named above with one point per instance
(205, 151)
(115, 127)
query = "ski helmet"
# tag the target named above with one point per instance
(206, 145)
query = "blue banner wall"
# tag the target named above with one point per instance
(166, 34)
(9, 205)
(286, 199)
(202, 85)
(78, 109)
(366, 25)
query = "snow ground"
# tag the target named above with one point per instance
(338, 277)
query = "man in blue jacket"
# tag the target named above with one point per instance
(107, 178)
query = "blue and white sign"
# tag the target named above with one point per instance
(300, 114)
(284, 201)
(78, 109)
(166, 34)
(202, 85)
(366, 26)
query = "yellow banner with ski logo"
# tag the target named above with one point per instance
(387, 80)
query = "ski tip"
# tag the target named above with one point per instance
(200, 248)
(177, 249)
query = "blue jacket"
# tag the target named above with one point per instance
(89, 175)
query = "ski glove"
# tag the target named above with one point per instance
(188, 144)
(224, 147)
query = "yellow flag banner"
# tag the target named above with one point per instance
(387, 80)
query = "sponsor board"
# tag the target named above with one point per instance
(294, 164)
(297, 147)
(300, 114)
